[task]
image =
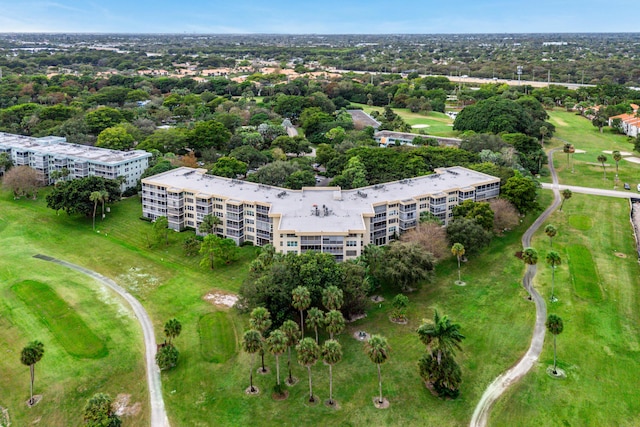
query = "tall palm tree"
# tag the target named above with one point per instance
(251, 343)
(29, 356)
(617, 156)
(551, 231)
(567, 150)
(308, 354)
(458, 251)
(172, 329)
(331, 354)
(315, 319)
(553, 259)
(277, 344)
(104, 197)
(95, 197)
(378, 350)
(602, 158)
(301, 300)
(566, 195)
(441, 335)
(555, 327)
(544, 131)
(260, 320)
(335, 322)
(292, 331)
(530, 256)
(332, 298)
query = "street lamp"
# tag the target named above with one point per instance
(519, 71)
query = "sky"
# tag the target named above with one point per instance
(317, 17)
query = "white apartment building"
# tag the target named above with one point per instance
(53, 153)
(324, 219)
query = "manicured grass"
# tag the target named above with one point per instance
(587, 170)
(437, 123)
(218, 341)
(599, 347)
(586, 282)
(61, 319)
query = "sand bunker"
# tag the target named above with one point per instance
(420, 126)
(219, 298)
(632, 159)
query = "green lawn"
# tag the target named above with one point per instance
(61, 319)
(597, 287)
(599, 345)
(587, 171)
(438, 124)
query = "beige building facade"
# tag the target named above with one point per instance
(324, 219)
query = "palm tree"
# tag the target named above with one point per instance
(602, 158)
(260, 320)
(530, 256)
(104, 197)
(301, 301)
(567, 150)
(617, 156)
(315, 319)
(566, 195)
(441, 335)
(308, 354)
(172, 329)
(277, 344)
(458, 251)
(251, 343)
(29, 356)
(331, 354)
(551, 231)
(95, 197)
(292, 331)
(332, 298)
(335, 322)
(555, 327)
(544, 131)
(553, 259)
(378, 350)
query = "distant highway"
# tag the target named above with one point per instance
(482, 80)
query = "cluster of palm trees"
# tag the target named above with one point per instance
(308, 349)
(167, 355)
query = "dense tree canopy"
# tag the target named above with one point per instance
(73, 196)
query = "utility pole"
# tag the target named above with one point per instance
(549, 78)
(519, 71)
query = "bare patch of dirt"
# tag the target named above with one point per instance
(122, 408)
(36, 399)
(278, 396)
(399, 321)
(518, 254)
(221, 298)
(377, 298)
(291, 381)
(356, 317)
(381, 405)
(333, 405)
(5, 421)
(253, 392)
(261, 372)
(620, 255)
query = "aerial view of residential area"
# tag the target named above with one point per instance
(319, 214)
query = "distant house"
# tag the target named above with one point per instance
(629, 123)
(388, 138)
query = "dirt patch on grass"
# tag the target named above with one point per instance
(221, 298)
(138, 281)
(381, 405)
(5, 421)
(122, 408)
(620, 255)
(560, 122)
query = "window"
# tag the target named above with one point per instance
(290, 244)
(352, 243)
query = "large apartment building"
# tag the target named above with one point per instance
(324, 219)
(53, 153)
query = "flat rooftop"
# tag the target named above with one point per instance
(56, 146)
(344, 208)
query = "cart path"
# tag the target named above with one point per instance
(158, 413)
(516, 372)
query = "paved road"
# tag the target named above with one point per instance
(158, 413)
(594, 191)
(524, 365)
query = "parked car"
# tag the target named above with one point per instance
(638, 187)
(627, 186)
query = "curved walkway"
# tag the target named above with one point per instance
(524, 365)
(158, 413)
